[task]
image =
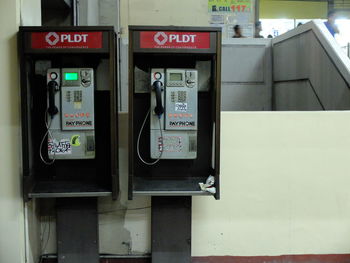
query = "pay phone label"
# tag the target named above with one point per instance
(61, 147)
(181, 107)
(182, 123)
(73, 124)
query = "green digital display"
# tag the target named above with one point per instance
(71, 76)
(175, 76)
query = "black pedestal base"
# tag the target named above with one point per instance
(171, 229)
(77, 230)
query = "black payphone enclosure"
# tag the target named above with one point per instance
(68, 47)
(175, 47)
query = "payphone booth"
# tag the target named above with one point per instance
(174, 124)
(69, 128)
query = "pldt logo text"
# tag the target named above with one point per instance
(52, 38)
(161, 38)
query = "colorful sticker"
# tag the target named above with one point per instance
(63, 147)
(75, 140)
(229, 6)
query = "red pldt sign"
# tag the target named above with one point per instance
(185, 40)
(63, 40)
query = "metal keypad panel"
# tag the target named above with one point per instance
(72, 129)
(78, 100)
(175, 144)
(181, 103)
(178, 139)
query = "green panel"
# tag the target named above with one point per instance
(71, 76)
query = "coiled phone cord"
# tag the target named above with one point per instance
(47, 133)
(138, 141)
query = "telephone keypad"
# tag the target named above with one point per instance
(172, 96)
(181, 96)
(78, 96)
(68, 96)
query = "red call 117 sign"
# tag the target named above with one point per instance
(177, 40)
(61, 40)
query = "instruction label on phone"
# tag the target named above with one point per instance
(181, 107)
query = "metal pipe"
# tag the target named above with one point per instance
(26, 233)
(119, 62)
(75, 8)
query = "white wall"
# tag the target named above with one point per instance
(285, 186)
(14, 234)
(11, 205)
(30, 12)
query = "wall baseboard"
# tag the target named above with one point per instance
(333, 258)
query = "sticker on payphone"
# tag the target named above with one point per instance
(61, 147)
(181, 107)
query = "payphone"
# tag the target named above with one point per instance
(69, 111)
(70, 114)
(179, 119)
(69, 103)
(174, 128)
(173, 116)
(174, 111)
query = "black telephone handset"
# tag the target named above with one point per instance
(159, 109)
(53, 88)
